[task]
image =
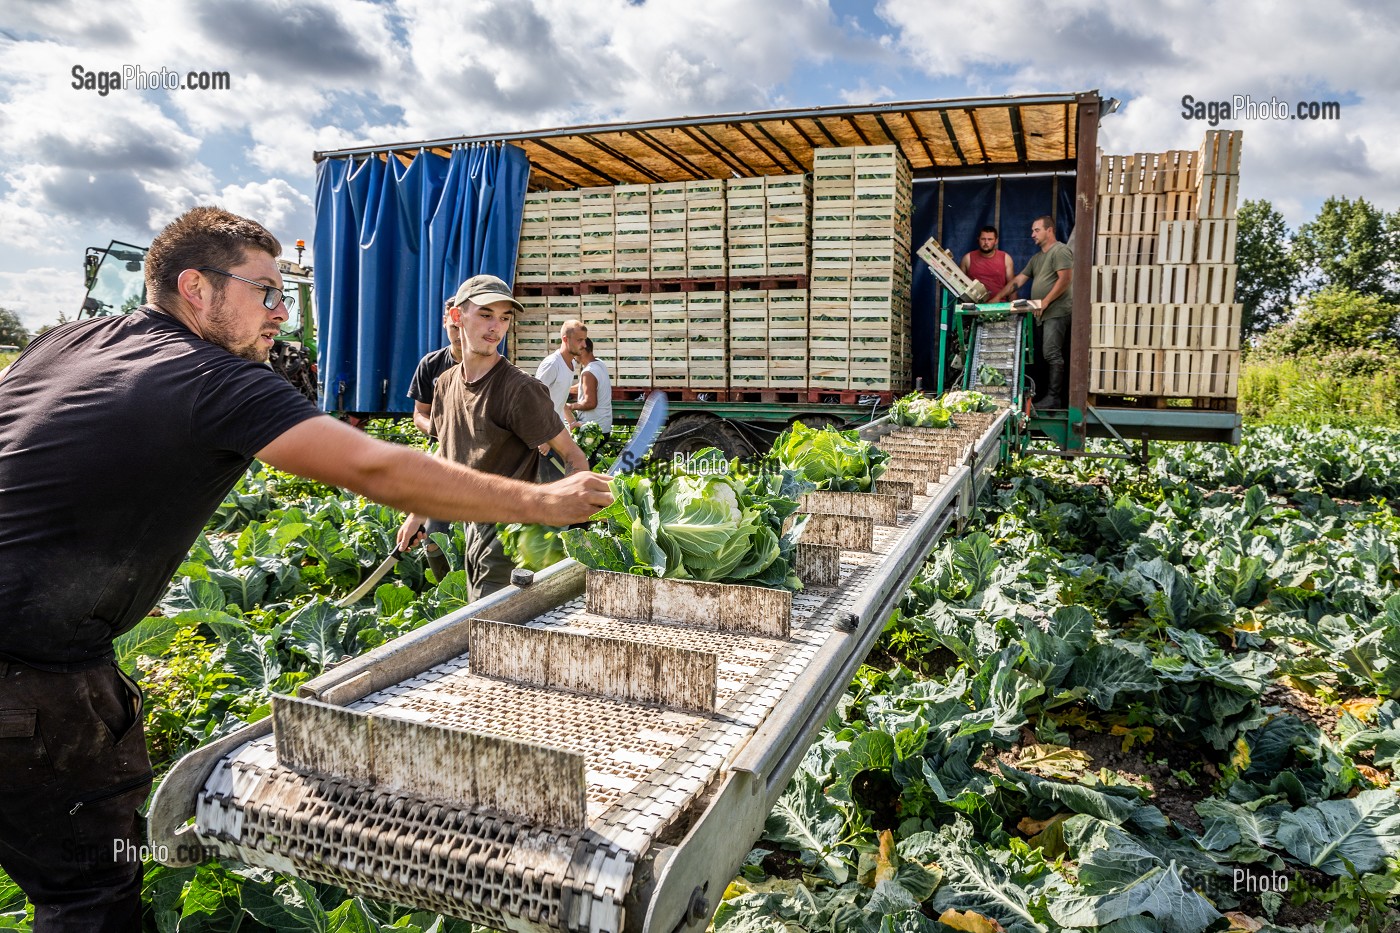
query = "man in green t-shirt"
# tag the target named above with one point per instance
(1049, 272)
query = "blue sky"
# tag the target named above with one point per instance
(78, 168)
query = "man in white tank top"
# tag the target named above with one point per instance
(594, 390)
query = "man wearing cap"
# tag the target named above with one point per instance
(491, 416)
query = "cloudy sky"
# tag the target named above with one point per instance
(79, 168)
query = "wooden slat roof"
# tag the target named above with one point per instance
(974, 135)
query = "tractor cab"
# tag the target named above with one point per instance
(115, 277)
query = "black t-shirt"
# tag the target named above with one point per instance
(119, 437)
(420, 389)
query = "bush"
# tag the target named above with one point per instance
(1360, 387)
(1336, 319)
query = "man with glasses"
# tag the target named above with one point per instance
(119, 437)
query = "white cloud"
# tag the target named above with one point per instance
(276, 205)
(1153, 55)
(40, 295)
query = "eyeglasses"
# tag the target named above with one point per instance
(272, 295)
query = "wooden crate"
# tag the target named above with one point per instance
(1125, 250)
(706, 314)
(1142, 326)
(705, 189)
(1144, 371)
(1215, 284)
(1220, 152)
(1177, 327)
(1109, 325)
(1114, 172)
(1181, 373)
(598, 310)
(1178, 170)
(1216, 326)
(1176, 284)
(1179, 205)
(631, 262)
(1220, 373)
(1126, 284)
(1106, 368)
(1216, 196)
(1215, 241)
(1176, 242)
(1112, 213)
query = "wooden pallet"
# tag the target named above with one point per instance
(1176, 284)
(1220, 152)
(1215, 284)
(1216, 196)
(1176, 242)
(1215, 241)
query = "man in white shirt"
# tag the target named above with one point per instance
(594, 391)
(556, 371)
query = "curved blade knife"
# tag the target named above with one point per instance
(649, 425)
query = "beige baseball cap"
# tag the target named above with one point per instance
(485, 290)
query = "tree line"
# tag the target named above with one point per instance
(1347, 252)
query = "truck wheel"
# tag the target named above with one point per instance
(693, 432)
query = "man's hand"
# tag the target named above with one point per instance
(410, 533)
(574, 498)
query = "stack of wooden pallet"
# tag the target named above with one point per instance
(859, 310)
(1165, 324)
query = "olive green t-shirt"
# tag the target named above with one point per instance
(1042, 271)
(495, 423)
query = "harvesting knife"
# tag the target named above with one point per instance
(364, 588)
(649, 425)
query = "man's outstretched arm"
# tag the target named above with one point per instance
(332, 452)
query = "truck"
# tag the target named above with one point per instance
(115, 281)
(396, 229)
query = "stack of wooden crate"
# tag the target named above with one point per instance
(633, 361)
(565, 236)
(529, 340)
(704, 229)
(1165, 323)
(768, 225)
(532, 258)
(859, 309)
(632, 232)
(597, 234)
(668, 212)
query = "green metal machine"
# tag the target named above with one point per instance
(115, 278)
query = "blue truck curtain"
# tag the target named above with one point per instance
(953, 210)
(393, 242)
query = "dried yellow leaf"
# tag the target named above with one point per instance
(970, 921)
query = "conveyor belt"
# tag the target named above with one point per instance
(998, 344)
(672, 798)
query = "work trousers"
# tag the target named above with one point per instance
(484, 560)
(1054, 335)
(73, 774)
